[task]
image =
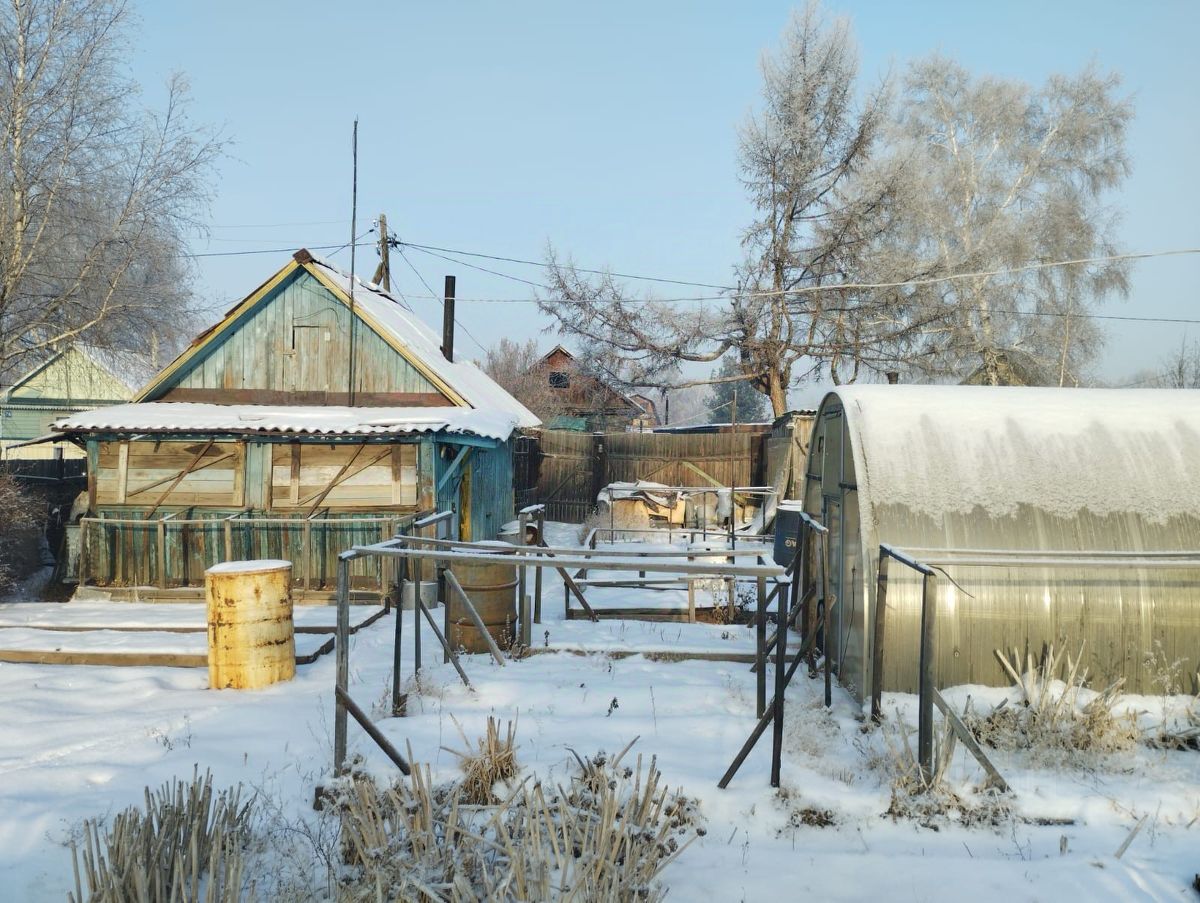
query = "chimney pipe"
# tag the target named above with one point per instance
(448, 321)
(893, 377)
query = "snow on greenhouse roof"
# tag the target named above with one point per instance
(947, 449)
(187, 417)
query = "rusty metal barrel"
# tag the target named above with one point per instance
(251, 639)
(491, 587)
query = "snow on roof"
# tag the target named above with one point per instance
(406, 328)
(188, 417)
(947, 449)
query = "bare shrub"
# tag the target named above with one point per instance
(22, 512)
(606, 836)
(1054, 717)
(494, 762)
(1179, 725)
(184, 835)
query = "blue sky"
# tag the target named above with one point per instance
(608, 129)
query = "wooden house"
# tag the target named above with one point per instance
(75, 378)
(319, 413)
(587, 403)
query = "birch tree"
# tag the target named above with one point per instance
(96, 193)
(799, 155)
(1002, 178)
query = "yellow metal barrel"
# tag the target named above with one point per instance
(251, 641)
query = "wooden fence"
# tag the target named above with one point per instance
(566, 470)
(175, 552)
(46, 470)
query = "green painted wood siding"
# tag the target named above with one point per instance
(296, 340)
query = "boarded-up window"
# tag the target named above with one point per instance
(189, 472)
(343, 476)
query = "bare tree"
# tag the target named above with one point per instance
(1001, 176)
(96, 194)
(1182, 369)
(22, 518)
(514, 365)
(799, 155)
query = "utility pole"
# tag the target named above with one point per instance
(383, 272)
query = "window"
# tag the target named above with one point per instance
(559, 379)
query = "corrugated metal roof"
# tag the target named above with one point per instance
(188, 417)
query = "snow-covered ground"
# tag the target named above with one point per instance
(78, 742)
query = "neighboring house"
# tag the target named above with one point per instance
(314, 416)
(74, 379)
(588, 404)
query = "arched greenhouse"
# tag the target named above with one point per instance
(1066, 516)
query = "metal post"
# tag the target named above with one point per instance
(343, 661)
(826, 642)
(760, 665)
(925, 700)
(443, 601)
(522, 596)
(537, 572)
(417, 629)
(780, 685)
(881, 586)
(398, 703)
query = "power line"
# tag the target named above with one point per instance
(475, 266)
(466, 331)
(291, 250)
(811, 289)
(544, 265)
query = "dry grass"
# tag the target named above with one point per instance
(929, 799)
(605, 837)
(493, 763)
(1051, 717)
(185, 847)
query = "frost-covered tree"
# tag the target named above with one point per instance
(96, 194)
(1000, 179)
(799, 153)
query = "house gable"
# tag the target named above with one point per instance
(69, 378)
(289, 343)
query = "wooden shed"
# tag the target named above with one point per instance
(317, 414)
(1083, 503)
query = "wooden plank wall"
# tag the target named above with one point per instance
(138, 473)
(569, 461)
(295, 344)
(372, 476)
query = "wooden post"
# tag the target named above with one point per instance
(925, 687)
(877, 640)
(306, 552)
(342, 648)
(760, 665)
(780, 685)
(161, 534)
(228, 540)
(691, 599)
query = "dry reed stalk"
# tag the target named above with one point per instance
(604, 837)
(186, 847)
(1049, 716)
